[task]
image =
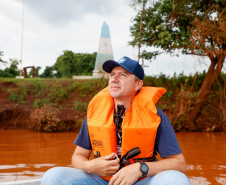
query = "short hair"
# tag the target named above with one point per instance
(136, 78)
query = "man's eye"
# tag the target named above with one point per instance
(123, 74)
(112, 74)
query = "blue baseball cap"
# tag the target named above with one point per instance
(128, 64)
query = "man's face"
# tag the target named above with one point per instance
(122, 84)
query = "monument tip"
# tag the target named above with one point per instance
(105, 30)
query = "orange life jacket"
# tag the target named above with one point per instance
(139, 126)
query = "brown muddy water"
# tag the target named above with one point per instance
(27, 155)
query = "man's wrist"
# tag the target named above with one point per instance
(143, 168)
(86, 167)
(139, 172)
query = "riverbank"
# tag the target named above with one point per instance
(60, 104)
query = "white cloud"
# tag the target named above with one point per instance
(58, 12)
(52, 26)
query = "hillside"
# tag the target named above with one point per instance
(60, 104)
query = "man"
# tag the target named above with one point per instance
(125, 131)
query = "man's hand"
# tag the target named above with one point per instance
(127, 175)
(103, 166)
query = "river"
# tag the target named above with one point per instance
(27, 155)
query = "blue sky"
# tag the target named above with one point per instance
(52, 26)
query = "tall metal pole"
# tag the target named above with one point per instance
(22, 35)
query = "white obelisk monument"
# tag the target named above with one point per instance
(105, 51)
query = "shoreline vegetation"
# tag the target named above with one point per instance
(54, 105)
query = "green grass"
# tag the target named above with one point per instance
(80, 106)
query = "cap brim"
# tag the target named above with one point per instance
(109, 65)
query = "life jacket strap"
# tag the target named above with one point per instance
(126, 159)
(118, 118)
(147, 159)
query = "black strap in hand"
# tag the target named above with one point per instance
(130, 154)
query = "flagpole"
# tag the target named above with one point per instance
(22, 35)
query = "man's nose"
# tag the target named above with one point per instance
(115, 78)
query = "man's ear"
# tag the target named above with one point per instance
(139, 84)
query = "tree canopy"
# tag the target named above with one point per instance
(194, 27)
(67, 65)
(70, 64)
(47, 73)
(12, 71)
(1, 60)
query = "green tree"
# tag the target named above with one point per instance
(36, 71)
(1, 60)
(47, 73)
(64, 64)
(141, 3)
(12, 71)
(196, 27)
(70, 64)
(84, 64)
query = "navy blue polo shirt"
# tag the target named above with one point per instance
(166, 143)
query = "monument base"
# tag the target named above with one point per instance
(100, 74)
(82, 77)
(19, 77)
(96, 74)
